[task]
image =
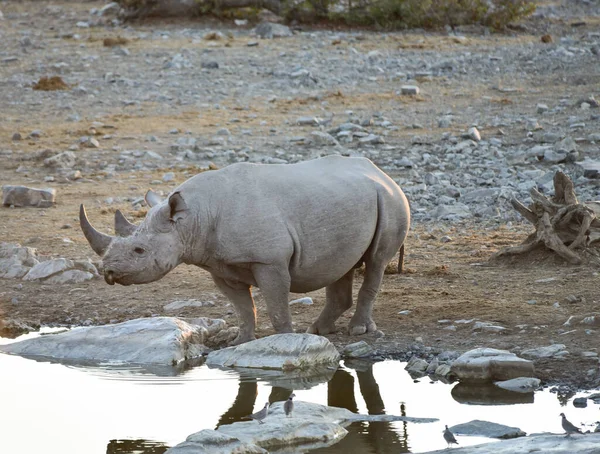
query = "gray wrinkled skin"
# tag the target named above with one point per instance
(291, 227)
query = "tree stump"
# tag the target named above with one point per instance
(562, 224)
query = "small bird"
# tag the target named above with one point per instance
(568, 426)
(288, 406)
(260, 415)
(449, 437)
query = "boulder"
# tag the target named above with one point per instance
(48, 268)
(554, 350)
(23, 196)
(311, 426)
(545, 443)
(15, 260)
(279, 351)
(160, 340)
(215, 443)
(487, 429)
(520, 385)
(491, 364)
(70, 277)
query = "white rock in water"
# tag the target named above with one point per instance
(491, 364)
(520, 385)
(279, 351)
(543, 443)
(48, 268)
(160, 340)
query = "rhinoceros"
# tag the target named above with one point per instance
(280, 227)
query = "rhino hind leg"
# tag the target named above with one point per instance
(240, 296)
(362, 320)
(339, 300)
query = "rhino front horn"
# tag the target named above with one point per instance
(98, 241)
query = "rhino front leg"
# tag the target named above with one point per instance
(241, 297)
(274, 283)
(339, 300)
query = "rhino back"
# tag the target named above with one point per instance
(319, 216)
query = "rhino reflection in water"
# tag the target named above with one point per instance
(280, 227)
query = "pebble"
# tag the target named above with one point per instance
(409, 90)
(169, 176)
(16, 136)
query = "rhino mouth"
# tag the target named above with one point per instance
(109, 277)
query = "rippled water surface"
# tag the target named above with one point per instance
(54, 408)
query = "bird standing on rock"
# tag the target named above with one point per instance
(449, 437)
(288, 406)
(260, 415)
(568, 426)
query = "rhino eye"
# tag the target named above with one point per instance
(139, 250)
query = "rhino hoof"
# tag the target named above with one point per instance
(315, 328)
(362, 328)
(241, 340)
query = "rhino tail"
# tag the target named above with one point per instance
(401, 260)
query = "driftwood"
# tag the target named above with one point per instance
(562, 224)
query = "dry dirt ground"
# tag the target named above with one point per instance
(443, 281)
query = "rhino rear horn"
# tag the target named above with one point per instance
(122, 226)
(98, 241)
(152, 198)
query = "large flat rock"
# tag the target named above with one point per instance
(160, 340)
(546, 444)
(280, 351)
(485, 364)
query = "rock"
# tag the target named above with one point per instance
(15, 260)
(432, 367)
(416, 366)
(580, 402)
(307, 300)
(70, 277)
(549, 351)
(473, 134)
(491, 364)
(169, 176)
(270, 30)
(160, 340)
(308, 121)
(209, 65)
(547, 444)
(320, 139)
(214, 442)
(180, 304)
(111, 8)
(63, 160)
(23, 196)
(16, 137)
(357, 350)
(520, 385)
(48, 268)
(443, 370)
(541, 108)
(279, 351)
(371, 139)
(410, 90)
(487, 429)
(591, 169)
(213, 36)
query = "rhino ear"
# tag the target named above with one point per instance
(177, 207)
(152, 198)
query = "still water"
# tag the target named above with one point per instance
(66, 409)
